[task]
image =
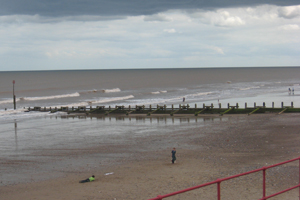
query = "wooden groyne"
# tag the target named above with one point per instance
(171, 110)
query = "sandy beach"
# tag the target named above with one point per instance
(141, 168)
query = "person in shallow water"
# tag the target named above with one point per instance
(173, 155)
(92, 178)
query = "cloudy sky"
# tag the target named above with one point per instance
(127, 34)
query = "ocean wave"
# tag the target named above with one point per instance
(249, 88)
(158, 92)
(89, 91)
(20, 114)
(111, 90)
(112, 99)
(106, 100)
(201, 94)
(76, 94)
(6, 101)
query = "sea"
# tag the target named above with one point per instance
(22, 133)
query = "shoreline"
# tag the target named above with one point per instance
(142, 167)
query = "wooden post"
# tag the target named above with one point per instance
(129, 107)
(292, 104)
(203, 105)
(195, 106)
(187, 106)
(220, 106)
(228, 105)
(108, 107)
(150, 107)
(237, 105)
(254, 104)
(172, 107)
(264, 104)
(165, 107)
(212, 105)
(272, 104)
(179, 106)
(281, 104)
(245, 105)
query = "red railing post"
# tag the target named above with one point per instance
(219, 189)
(299, 178)
(264, 182)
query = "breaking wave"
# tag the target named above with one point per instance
(111, 90)
(76, 94)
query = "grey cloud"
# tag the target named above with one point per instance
(157, 17)
(289, 12)
(119, 7)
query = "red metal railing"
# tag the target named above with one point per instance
(218, 182)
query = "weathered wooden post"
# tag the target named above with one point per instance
(55, 108)
(220, 106)
(228, 105)
(272, 104)
(50, 109)
(212, 105)
(264, 104)
(165, 107)
(203, 105)
(187, 106)
(150, 107)
(195, 106)
(237, 105)
(179, 106)
(84, 108)
(254, 104)
(108, 107)
(172, 107)
(245, 105)
(281, 104)
(129, 107)
(292, 104)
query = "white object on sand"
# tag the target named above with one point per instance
(108, 173)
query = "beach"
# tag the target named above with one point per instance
(139, 166)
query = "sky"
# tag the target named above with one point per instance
(135, 34)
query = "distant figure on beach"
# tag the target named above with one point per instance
(92, 178)
(183, 100)
(293, 90)
(173, 155)
(289, 90)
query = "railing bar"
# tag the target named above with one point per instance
(228, 178)
(283, 191)
(282, 163)
(264, 183)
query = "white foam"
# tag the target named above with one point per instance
(111, 90)
(6, 101)
(201, 94)
(105, 100)
(157, 92)
(249, 88)
(76, 94)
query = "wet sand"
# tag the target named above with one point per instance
(142, 167)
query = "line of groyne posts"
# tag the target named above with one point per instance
(143, 107)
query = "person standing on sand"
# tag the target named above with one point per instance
(173, 155)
